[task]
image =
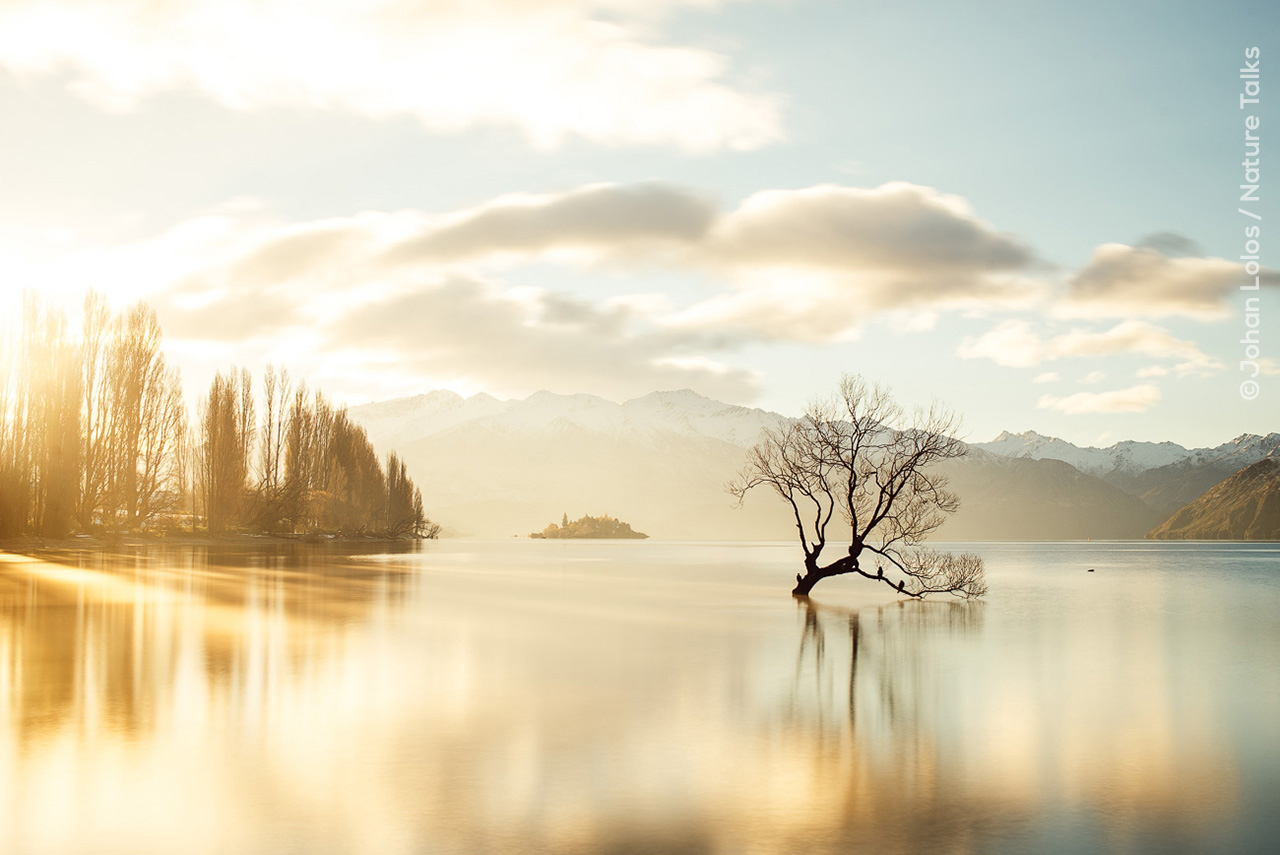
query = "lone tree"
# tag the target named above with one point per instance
(856, 460)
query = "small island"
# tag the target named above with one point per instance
(589, 527)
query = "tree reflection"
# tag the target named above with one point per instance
(93, 641)
(887, 652)
(868, 707)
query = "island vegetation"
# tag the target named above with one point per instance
(95, 438)
(605, 527)
(856, 460)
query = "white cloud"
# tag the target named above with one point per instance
(815, 264)
(1137, 399)
(893, 228)
(1013, 343)
(552, 68)
(809, 265)
(497, 339)
(329, 297)
(594, 221)
(1046, 377)
(1093, 378)
(1126, 281)
(1269, 367)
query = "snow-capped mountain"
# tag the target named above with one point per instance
(1130, 457)
(496, 467)
(406, 420)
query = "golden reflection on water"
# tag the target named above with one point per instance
(192, 700)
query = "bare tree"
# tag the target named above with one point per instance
(164, 424)
(97, 326)
(856, 464)
(225, 428)
(50, 357)
(94, 430)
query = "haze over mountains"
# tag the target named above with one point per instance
(489, 467)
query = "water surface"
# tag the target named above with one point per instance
(584, 697)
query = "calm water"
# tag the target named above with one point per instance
(636, 698)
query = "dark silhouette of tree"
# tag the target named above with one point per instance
(857, 465)
(401, 517)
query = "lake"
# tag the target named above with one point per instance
(636, 697)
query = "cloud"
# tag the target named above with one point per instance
(1124, 281)
(554, 69)
(1093, 378)
(483, 334)
(1013, 343)
(1170, 244)
(454, 291)
(809, 265)
(323, 296)
(603, 218)
(814, 264)
(1137, 399)
(1135, 337)
(893, 228)
(1046, 377)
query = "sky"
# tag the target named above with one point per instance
(1028, 211)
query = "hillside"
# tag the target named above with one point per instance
(1028, 499)
(1164, 475)
(1245, 506)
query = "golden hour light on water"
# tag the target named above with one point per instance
(603, 426)
(357, 703)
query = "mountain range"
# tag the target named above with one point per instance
(492, 467)
(1246, 506)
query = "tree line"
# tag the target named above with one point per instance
(95, 437)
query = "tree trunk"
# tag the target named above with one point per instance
(815, 574)
(804, 584)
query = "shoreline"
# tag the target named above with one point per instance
(134, 540)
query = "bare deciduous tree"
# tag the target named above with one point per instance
(856, 464)
(223, 443)
(97, 325)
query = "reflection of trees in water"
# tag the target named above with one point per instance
(867, 713)
(97, 640)
(899, 755)
(885, 665)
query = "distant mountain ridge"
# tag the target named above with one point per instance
(491, 467)
(500, 467)
(1165, 475)
(683, 411)
(1245, 506)
(1130, 456)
